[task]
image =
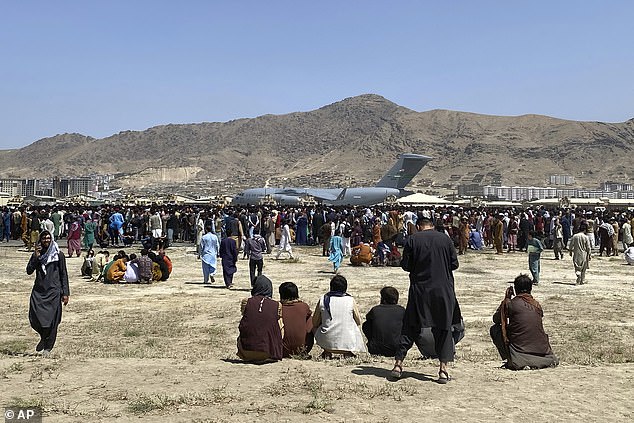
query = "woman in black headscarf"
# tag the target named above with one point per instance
(50, 290)
(261, 325)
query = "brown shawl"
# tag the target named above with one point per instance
(528, 298)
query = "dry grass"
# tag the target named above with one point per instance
(140, 352)
(146, 403)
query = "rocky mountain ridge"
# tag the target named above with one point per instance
(353, 141)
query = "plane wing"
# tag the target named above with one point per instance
(328, 194)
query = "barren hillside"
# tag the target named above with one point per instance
(352, 141)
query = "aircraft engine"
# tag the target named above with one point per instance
(292, 200)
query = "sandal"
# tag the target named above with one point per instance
(443, 380)
(397, 371)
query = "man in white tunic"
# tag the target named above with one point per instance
(580, 250)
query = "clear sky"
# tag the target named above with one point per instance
(100, 67)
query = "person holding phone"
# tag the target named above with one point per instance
(49, 292)
(518, 332)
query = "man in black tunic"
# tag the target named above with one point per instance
(49, 292)
(430, 258)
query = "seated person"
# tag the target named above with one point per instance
(146, 241)
(518, 332)
(629, 254)
(394, 258)
(361, 255)
(383, 323)
(159, 243)
(261, 327)
(116, 271)
(298, 324)
(160, 271)
(132, 270)
(475, 239)
(144, 264)
(168, 262)
(336, 320)
(127, 239)
(425, 341)
(87, 265)
(99, 263)
(380, 254)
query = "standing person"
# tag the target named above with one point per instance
(497, 228)
(534, 247)
(253, 223)
(513, 230)
(254, 248)
(336, 251)
(56, 217)
(34, 229)
(2, 227)
(229, 256)
(606, 232)
(6, 221)
(74, 237)
(200, 231)
(558, 239)
(318, 221)
(346, 233)
(580, 250)
(47, 225)
(430, 258)
(356, 238)
(566, 223)
(89, 233)
(615, 236)
(285, 241)
(156, 225)
(325, 232)
(626, 228)
(463, 235)
(17, 220)
(172, 227)
(301, 233)
(209, 247)
(269, 232)
(116, 226)
(50, 291)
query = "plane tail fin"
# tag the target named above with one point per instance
(407, 166)
(342, 194)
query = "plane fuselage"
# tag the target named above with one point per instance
(392, 184)
(362, 196)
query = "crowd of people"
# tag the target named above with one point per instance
(431, 240)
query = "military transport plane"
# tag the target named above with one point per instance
(391, 185)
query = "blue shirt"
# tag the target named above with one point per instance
(209, 247)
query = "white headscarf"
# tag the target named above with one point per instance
(51, 254)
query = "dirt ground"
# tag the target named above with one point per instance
(166, 351)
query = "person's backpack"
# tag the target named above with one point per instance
(347, 230)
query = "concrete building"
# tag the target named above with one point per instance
(562, 180)
(68, 187)
(11, 186)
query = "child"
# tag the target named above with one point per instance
(87, 266)
(535, 248)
